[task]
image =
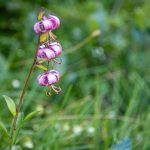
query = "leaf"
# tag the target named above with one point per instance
(19, 119)
(19, 124)
(11, 105)
(43, 37)
(41, 14)
(41, 67)
(3, 128)
(30, 116)
(66, 98)
(125, 144)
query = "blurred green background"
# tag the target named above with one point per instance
(105, 78)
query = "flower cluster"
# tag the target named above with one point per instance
(49, 49)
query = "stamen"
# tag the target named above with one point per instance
(58, 62)
(53, 37)
(57, 90)
(48, 93)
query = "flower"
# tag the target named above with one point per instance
(90, 130)
(16, 84)
(55, 21)
(77, 130)
(54, 50)
(28, 144)
(48, 78)
(46, 24)
(49, 49)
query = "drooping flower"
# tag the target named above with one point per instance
(46, 24)
(52, 51)
(55, 21)
(49, 49)
(48, 78)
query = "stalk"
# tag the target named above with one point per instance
(13, 129)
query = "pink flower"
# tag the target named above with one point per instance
(54, 50)
(55, 21)
(47, 24)
(48, 78)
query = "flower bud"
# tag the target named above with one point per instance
(47, 24)
(54, 50)
(48, 78)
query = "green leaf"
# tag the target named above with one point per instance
(43, 37)
(3, 128)
(30, 116)
(41, 14)
(19, 124)
(20, 119)
(11, 105)
(41, 67)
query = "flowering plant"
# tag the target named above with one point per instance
(48, 49)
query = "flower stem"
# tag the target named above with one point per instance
(22, 96)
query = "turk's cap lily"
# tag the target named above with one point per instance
(54, 50)
(47, 24)
(48, 78)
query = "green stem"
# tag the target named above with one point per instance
(11, 136)
(10, 145)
